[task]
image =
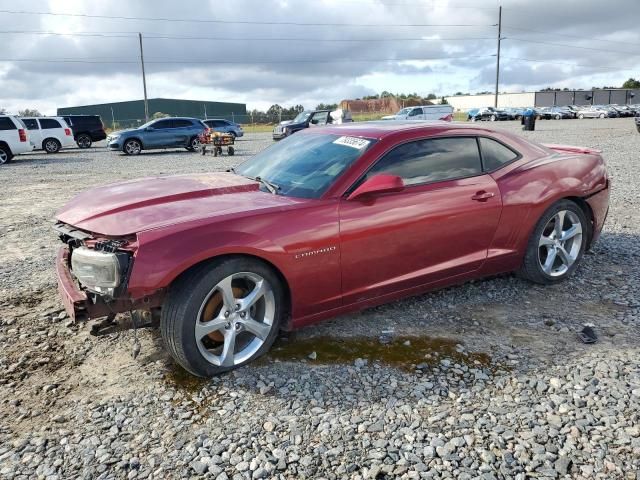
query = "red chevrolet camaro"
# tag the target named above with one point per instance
(328, 221)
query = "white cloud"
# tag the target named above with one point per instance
(267, 78)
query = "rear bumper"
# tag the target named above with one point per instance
(599, 204)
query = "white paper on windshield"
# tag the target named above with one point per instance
(353, 142)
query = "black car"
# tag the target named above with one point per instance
(86, 129)
(555, 113)
(491, 114)
(302, 121)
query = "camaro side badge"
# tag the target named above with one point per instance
(315, 252)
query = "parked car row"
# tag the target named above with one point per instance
(51, 134)
(555, 112)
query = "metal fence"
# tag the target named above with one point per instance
(587, 97)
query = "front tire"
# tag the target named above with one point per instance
(132, 147)
(222, 315)
(601, 115)
(84, 141)
(556, 245)
(51, 145)
(492, 118)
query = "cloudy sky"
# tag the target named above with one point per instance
(290, 52)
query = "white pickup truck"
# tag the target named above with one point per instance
(14, 138)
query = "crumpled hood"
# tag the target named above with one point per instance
(138, 205)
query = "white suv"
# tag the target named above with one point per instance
(49, 133)
(14, 138)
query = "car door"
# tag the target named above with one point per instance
(318, 119)
(416, 114)
(35, 135)
(440, 226)
(183, 130)
(159, 134)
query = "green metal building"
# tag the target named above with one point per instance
(131, 114)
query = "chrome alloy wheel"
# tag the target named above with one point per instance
(560, 243)
(235, 319)
(132, 147)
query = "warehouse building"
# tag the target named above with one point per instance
(547, 98)
(131, 113)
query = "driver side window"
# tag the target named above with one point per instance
(415, 112)
(320, 118)
(432, 160)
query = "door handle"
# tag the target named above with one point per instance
(482, 196)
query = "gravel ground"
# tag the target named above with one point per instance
(485, 380)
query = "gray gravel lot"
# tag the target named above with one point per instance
(484, 380)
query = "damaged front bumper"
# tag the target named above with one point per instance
(83, 305)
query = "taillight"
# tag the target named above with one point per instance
(23, 135)
(67, 132)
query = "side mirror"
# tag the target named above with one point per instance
(378, 184)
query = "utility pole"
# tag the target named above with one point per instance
(495, 101)
(144, 81)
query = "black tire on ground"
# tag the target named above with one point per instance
(581, 116)
(84, 141)
(5, 154)
(231, 151)
(132, 147)
(601, 115)
(492, 118)
(531, 268)
(51, 145)
(183, 302)
(194, 144)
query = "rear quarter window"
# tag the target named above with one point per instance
(495, 154)
(7, 124)
(49, 123)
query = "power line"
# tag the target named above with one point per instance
(442, 3)
(555, 34)
(565, 63)
(239, 22)
(571, 46)
(159, 36)
(239, 62)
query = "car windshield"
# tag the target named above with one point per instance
(305, 165)
(301, 117)
(404, 111)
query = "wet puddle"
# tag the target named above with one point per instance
(405, 352)
(184, 380)
(402, 352)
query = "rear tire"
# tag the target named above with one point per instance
(492, 118)
(51, 145)
(5, 155)
(222, 315)
(550, 259)
(601, 115)
(83, 141)
(194, 144)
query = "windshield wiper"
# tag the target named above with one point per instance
(272, 187)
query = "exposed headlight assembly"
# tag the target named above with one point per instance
(100, 272)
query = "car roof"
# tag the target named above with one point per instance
(384, 128)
